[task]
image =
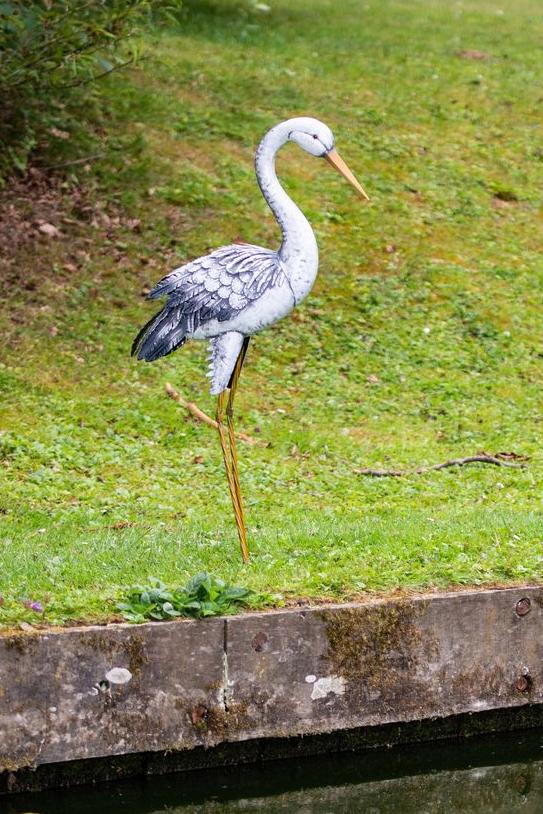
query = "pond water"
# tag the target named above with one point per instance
(494, 775)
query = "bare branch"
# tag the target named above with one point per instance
(80, 82)
(201, 416)
(499, 459)
(74, 161)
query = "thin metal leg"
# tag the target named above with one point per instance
(240, 518)
(226, 455)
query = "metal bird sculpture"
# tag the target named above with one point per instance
(238, 290)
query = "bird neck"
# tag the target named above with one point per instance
(299, 247)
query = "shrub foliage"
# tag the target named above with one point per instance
(51, 54)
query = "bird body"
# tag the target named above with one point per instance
(240, 289)
(236, 289)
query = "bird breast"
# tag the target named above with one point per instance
(301, 264)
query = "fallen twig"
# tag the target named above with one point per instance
(199, 415)
(75, 161)
(499, 459)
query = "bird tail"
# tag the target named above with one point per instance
(163, 334)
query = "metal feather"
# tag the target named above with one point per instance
(216, 286)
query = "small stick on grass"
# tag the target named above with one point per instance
(500, 459)
(75, 161)
(199, 415)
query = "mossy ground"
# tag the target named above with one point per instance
(421, 340)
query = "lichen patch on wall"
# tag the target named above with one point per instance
(326, 685)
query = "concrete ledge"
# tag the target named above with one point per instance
(364, 745)
(96, 692)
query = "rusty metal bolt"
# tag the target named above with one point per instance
(523, 683)
(259, 640)
(523, 606)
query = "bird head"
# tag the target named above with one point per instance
(317, 139)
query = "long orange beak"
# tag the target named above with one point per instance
(334, 158)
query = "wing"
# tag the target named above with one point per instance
(214, 287)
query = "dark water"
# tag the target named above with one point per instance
(498, 775)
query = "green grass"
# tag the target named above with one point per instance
(397, 358)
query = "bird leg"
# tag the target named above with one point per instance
(230, 454)
(233, 384)
(226, 456)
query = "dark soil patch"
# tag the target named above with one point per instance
(50, 230)
(41, 225)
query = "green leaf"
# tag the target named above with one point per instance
(203, 596)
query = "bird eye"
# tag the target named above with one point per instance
(314, 135)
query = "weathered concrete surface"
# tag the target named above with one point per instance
(366, 665)
(95, 691)
(89, 692)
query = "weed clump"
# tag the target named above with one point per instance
(204, 595)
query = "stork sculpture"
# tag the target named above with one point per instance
(236, 291)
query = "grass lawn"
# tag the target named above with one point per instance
(421, 340)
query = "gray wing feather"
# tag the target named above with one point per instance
(214, 287)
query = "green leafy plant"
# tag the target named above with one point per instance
(203, 595)
(52, 53)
